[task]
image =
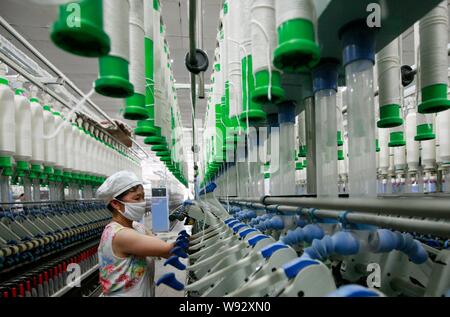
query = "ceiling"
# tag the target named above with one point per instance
(33, 22)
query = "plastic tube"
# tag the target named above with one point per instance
(286, 119)
(359, 51)
(361, 128)
(274, 139)
(325, 87)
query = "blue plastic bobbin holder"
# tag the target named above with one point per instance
(358, 41)
(325, 75)
(286, 113)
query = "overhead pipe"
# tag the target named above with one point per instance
(199, 22)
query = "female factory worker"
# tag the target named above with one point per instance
(124, 245)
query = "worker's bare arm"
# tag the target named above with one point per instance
(128, 241)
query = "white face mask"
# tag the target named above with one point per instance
(134, 211)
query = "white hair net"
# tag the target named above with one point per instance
(117, 184)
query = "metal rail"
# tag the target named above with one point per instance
(419, 225)
(424, 207)
(67, 288)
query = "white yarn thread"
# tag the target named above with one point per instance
(60, 140)
(428, 154)
(295, 9)
(245, 38)
(443, 120)
(137, 50)
(264, 37)
(388, 62)
(433, 30)
(115, 24)
(383, 141)
(148, 18)
(233, 51)
(235, 93)
(157, 67)
(69, 116)
(37, 126)
(76, 148)
(412, 146)
(269, 58)
(23, 128)
(68, 146)
(400, 158)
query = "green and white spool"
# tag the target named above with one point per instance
(23, 132)
(113, 78)
(388, 61)
(155, 138)
(264, 40)
(296, 24)
(37, 126)
(7, 120)
(79, 29)
(234, 61)
(135, 105)
(147, 127)
(434, 60)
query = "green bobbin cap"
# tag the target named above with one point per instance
(48, 170)
(303, 151)
(22, 166)
(397, 139)
(5, 162)
(114, 78)
(254, 116)
(7, 171)
(19, 173)
(19, 91)
(390, 116)
(297, 50)
(260, 94)
(377, 145)
(36, 168)
(434, 99)
(79, 29)
(266, 175)
(340, 142)
(298, 166)
(135, 108)
(163, 153)
(154, 140)
(425, 132)
(340, 155)
(4, 81)
(158, 148)
(165, 159)
(145, 128)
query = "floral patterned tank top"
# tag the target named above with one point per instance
(125, 277)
